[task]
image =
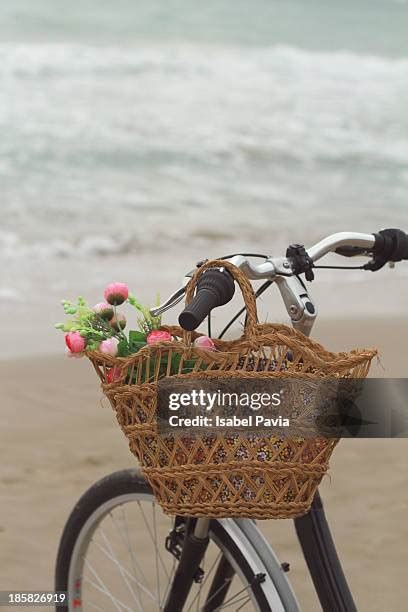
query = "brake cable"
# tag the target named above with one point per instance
(258, 292)
(340, 267)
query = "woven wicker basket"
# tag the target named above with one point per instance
(224, 475)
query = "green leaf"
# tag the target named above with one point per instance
(123, 349)
(175, 362)
(137, 336)
(134, 347)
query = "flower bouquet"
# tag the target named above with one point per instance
(101, 329)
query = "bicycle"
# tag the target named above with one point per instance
(203, 564)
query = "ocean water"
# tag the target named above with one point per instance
(133, 129)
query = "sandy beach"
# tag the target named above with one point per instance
(58, 437)
(139, 138)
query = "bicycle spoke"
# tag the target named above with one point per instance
(116, 602)
(104, 589)
(229, 580)
(126, 541)
(125, 571)
(170, 580)
(121, 569)
(230, 601)
(89, 603)
(152, 538)
(244, 604)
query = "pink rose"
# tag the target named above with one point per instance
(158, 335)
(113, 375)
(75, 342)
(109, 346)
(116, 293)
(104, 310)
(118, 320)
(204, 342)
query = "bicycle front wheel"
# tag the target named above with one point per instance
(112, 556)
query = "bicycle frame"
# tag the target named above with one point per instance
(321, 557)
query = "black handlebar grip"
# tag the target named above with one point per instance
(391, 245)
(215, 287)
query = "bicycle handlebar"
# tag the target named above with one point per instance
(389, 245)
(334, 242)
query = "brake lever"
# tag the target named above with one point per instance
(174, 299)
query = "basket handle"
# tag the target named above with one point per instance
(246, 290)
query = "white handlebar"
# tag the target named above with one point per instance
(279, 269)
(333, 242)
